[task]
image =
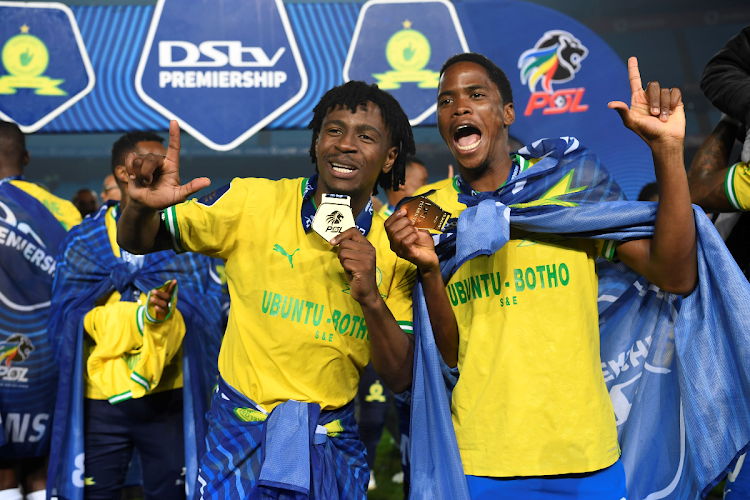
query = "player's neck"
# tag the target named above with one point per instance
(9, 171)
(394, 197)
(488, 177)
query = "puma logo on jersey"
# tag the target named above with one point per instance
(280, 249)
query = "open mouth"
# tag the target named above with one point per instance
(467, 138)
(342, 169)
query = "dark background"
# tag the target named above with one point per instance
(673, 40)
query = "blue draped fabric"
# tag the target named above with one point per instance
(87, 271)
(677, 370)
(29, 240)
(285, 455)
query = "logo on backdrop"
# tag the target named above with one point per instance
(555, 59)
(401, 45)
(14, 349)
(222, 73)
(44, 65)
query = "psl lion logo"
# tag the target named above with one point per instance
(16, 348)
(335, 217)
(555, 58)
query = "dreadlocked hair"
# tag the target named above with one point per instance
(354, 94)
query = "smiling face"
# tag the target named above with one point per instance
(472, 118)
(351, 150)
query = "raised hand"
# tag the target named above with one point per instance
(410, 243)
(656, 114)
(155, 180)
(160, 299)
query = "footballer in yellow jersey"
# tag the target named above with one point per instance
(521, 325)
(307, 314)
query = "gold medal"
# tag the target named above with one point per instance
(423, 213)
(334, 216)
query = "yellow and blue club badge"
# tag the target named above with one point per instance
(45, 68)
(401, 45)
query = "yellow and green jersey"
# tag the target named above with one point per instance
(63, 210)
(531, 398)
(737, 186)
(127, 353)
(294, 330)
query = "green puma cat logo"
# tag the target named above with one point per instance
(280, 249)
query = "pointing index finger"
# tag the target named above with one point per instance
(173, 151)
(633, 74)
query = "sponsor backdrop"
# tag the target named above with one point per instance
(226, 73)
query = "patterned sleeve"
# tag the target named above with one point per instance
(737, 186)
(607, 249)
(399, 296)
(209, 225)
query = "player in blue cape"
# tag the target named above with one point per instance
(136, 341)
(542, 371)
(33, 224)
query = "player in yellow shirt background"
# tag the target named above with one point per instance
(530, 410)
(136, 316)
(33, 224)
(306, 314)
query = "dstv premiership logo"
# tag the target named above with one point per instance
(335, 218)
(16, 349)
(555, 59)
(223, 72)
(219, 54)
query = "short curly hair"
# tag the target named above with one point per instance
(354, 94)
(497, 75)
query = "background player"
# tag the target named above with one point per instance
(33, 222)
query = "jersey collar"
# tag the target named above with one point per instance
(518, 166)
(12, 178)
(363, 220)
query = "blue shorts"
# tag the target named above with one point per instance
(605, 484)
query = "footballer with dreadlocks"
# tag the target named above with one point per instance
(307, 313)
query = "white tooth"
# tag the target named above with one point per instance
(470, 146)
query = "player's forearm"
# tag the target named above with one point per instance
(708, 170)
(138, 230)
(391, 349)
(442, 319)
(672, 263)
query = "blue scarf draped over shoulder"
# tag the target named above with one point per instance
(88, 270)
(677, 370)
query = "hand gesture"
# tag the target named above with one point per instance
(161, 299)
(410, 243)
(357, 256)
(657, 114)
(155, 180)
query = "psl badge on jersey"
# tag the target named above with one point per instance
(223, 71)
(401, 45)
(45, 67)
(334, 216)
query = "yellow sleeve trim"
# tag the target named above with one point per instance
(406, 326)
(731, 188)
(609, 248)
(170, 219)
